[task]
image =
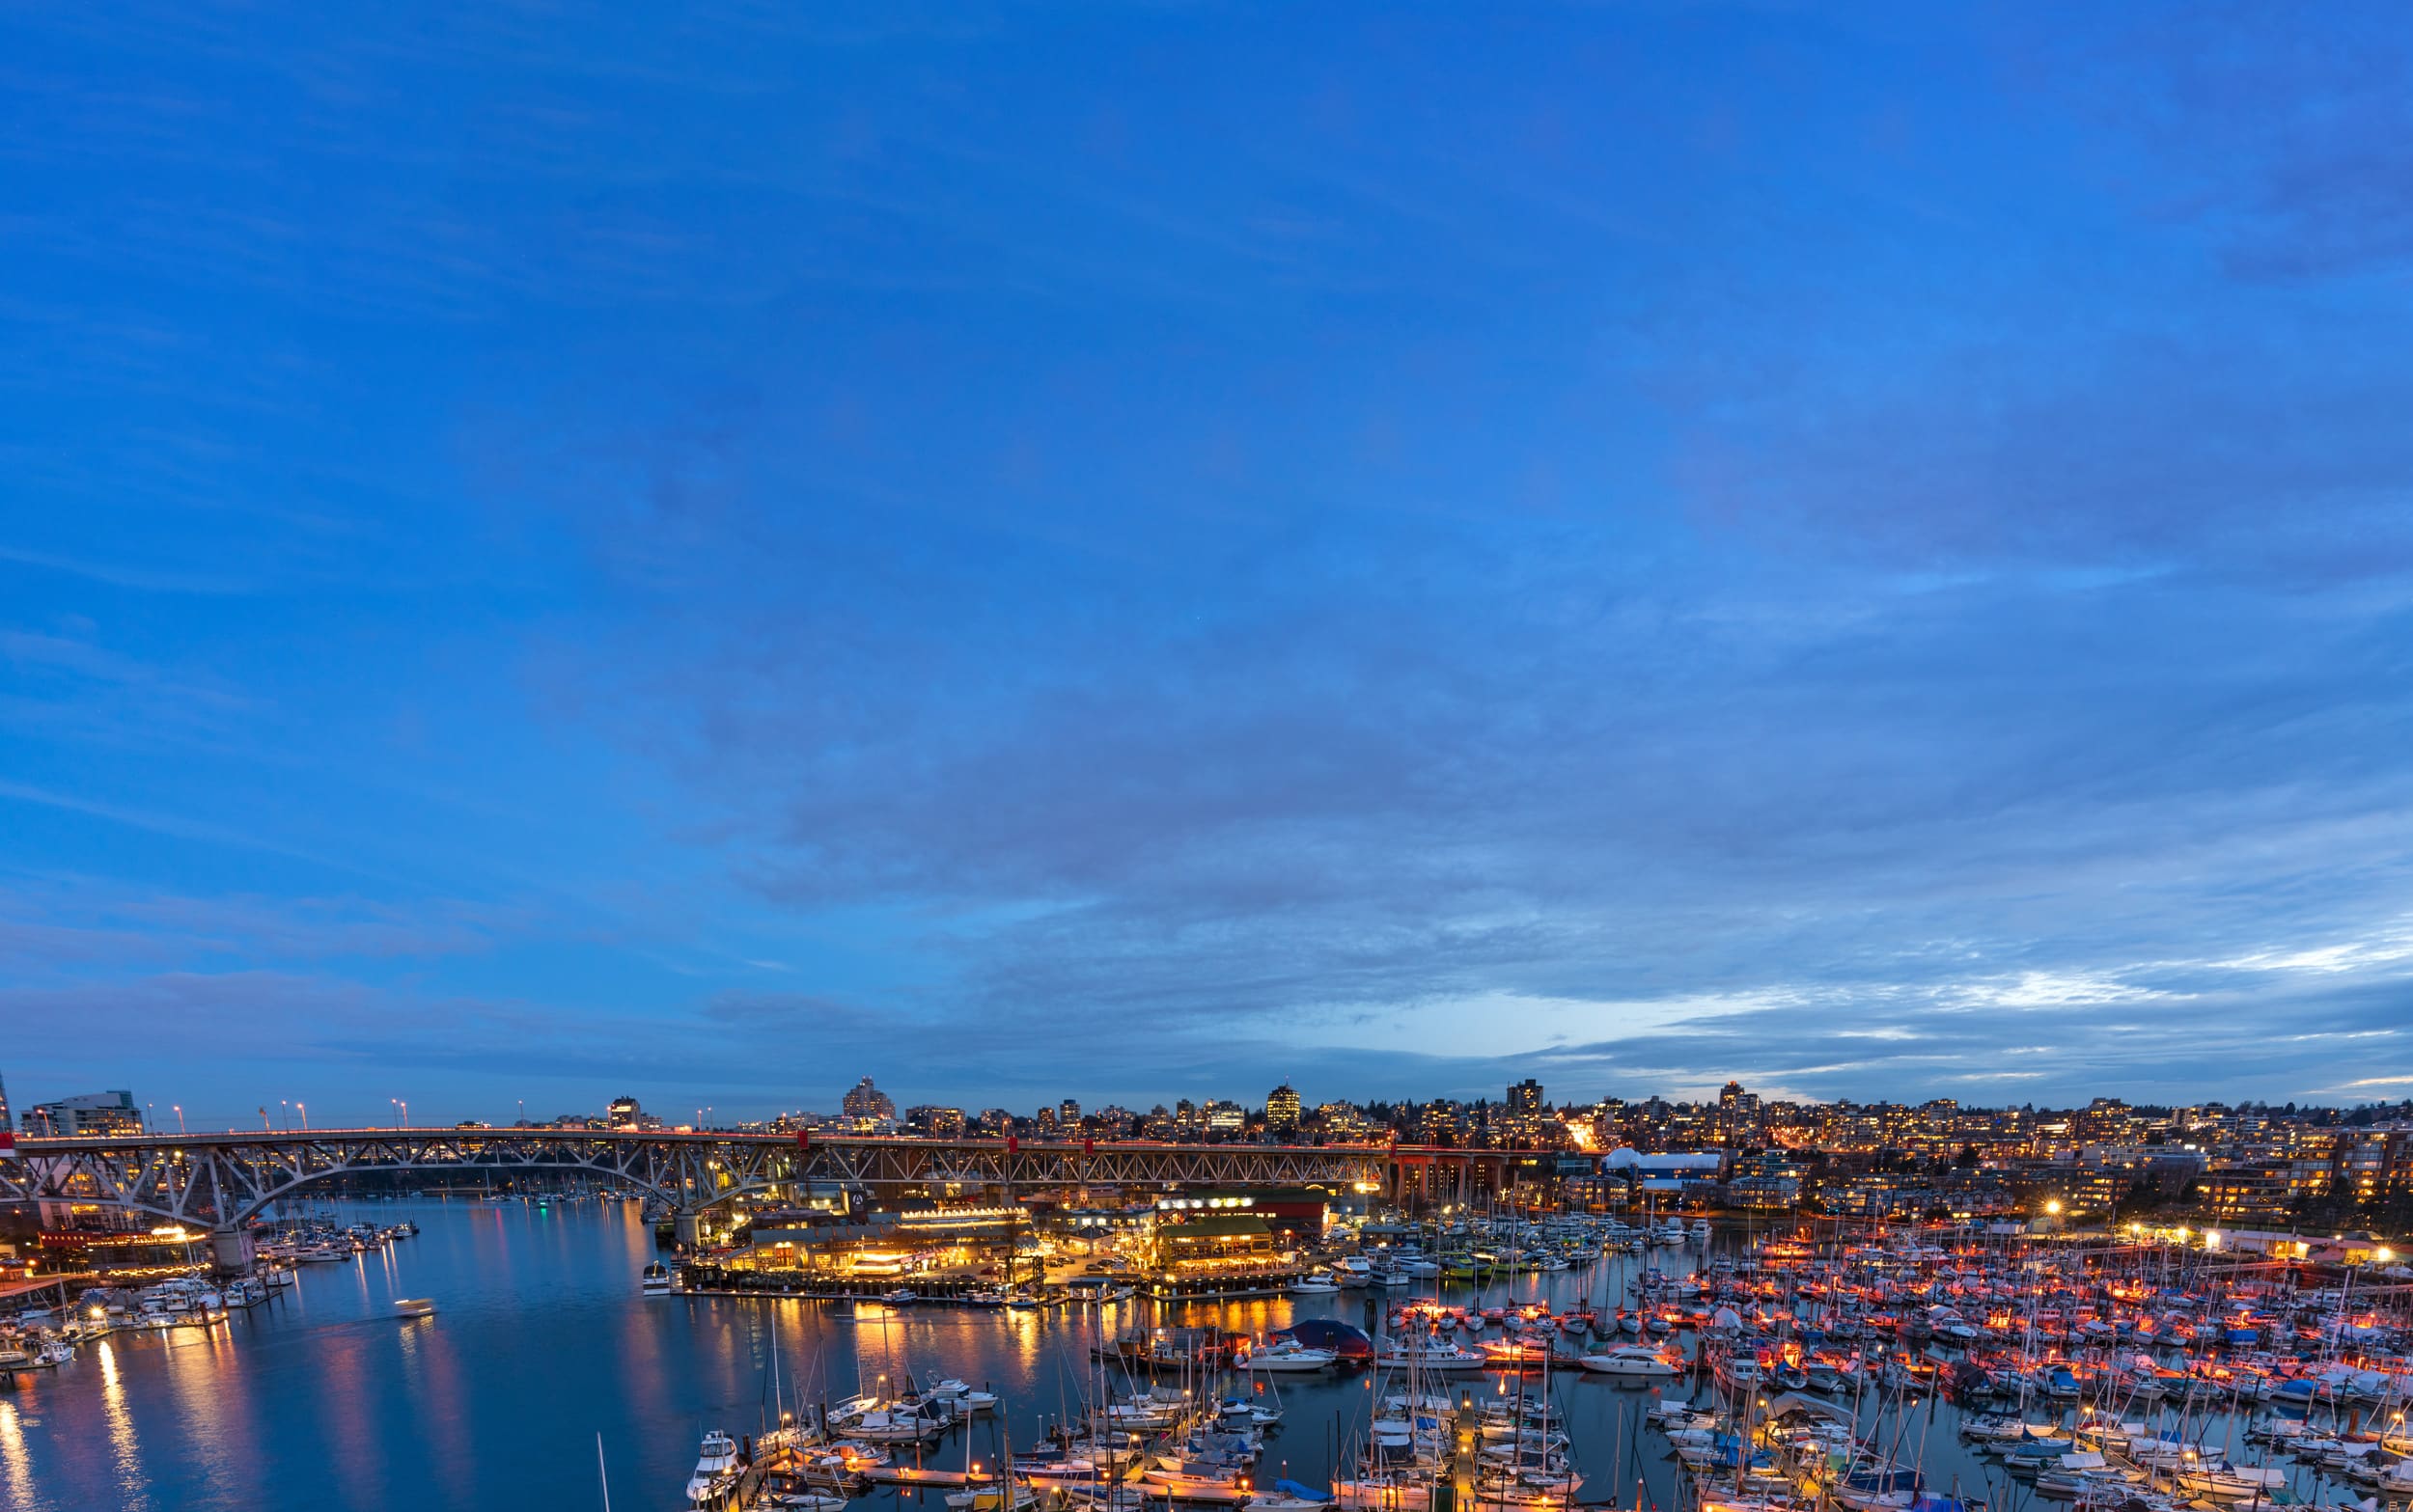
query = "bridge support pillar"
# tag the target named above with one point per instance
(690, 1223)
(231, 1249)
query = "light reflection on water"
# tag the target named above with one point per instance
(17, 1476)
(324, 1398)
(132, 1486)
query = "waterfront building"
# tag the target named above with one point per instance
(1669, 1174)
(1228, 1243)
(86, 1113)
(1764, 1194)
(1524, 1098)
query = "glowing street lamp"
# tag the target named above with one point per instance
(303, 1109)
(180, 1116)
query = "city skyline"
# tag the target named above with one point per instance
(867, 1106)
(1152, 553)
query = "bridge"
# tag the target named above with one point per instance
(220, 1181)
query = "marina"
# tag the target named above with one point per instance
(476, 1359)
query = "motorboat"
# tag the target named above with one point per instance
(655, 1280)
(966, 1401)
(414, 1306)
(1639, 1361)
(1433, 1354)
(716, 1461)
(1288, 1354)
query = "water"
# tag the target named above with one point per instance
(323, 1399)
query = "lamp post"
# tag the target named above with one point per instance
(180, 1116)
(303, 1109)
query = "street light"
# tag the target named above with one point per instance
(180, 1116)
(304, 1109)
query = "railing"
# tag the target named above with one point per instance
(220, 1179)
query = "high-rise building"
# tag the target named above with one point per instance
(1068, 1114)
(1738, 1112)
(5, 1124)
(866, 1101)
(1282, 1109)
(90, 1112)
(1525, 1097)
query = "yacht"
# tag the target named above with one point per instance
(716, 1463)
(966, 1401)
(1288, 1354)
(1632, 1359)
(656, 1279)
(414, 1306)
(1433, 1354)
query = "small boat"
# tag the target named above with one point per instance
(1632, 1359)
(714, 1464)
(1288, 1354)
(656, 1279)
(414, 1306)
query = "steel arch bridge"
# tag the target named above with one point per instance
(219, 1181)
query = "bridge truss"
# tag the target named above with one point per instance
(220, 1181)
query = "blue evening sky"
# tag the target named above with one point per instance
(1139, 551)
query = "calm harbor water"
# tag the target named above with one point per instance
(323, 1399)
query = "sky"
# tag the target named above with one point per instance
(1142, 551)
